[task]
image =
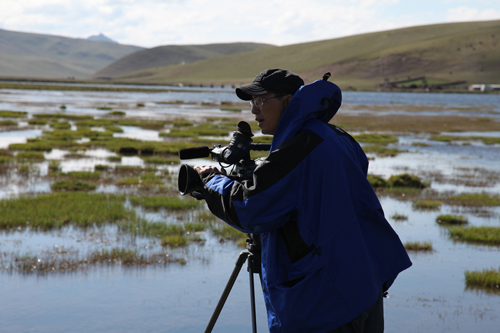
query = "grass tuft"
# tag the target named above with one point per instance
(452, 219)
(418, 246)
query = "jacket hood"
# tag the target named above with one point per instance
(318, 100)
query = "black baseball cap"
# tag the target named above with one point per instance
(271, 80)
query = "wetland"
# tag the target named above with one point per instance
(94, 235)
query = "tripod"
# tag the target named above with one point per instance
(252, 254)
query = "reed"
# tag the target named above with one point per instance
(478, 235)
(488, 278)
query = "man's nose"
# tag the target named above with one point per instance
(255, 109)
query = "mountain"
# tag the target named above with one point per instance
(173, 55)
(47, 56)
(101, 38)
(442, 52)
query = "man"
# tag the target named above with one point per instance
(328, 253)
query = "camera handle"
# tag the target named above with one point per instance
(252, 261)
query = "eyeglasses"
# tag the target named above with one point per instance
(259, 101)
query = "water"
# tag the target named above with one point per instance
(430, 296)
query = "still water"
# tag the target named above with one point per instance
(429, 297)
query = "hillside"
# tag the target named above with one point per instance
(46, 56)
(172, 55)
(444, 52)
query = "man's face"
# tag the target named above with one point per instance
(269, 113)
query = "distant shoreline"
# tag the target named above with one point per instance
(57, 84)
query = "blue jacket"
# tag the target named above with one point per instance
(327, 249)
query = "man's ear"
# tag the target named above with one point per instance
(286, 99)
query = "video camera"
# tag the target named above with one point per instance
(237, 153)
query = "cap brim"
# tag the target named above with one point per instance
(246, 92)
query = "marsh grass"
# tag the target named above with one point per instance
(72, 185)
(418, 246)
(54, 210)
(30, 156)
(160, 159)
(426, 204)
(174, 241)
(61, 125)
(147, 180)
(116, 113)
(381, 151)
(226, 232)
(8, 123)
(406, 180)
(63, 261)
(489, 279)
(164, 202)
(477, 235)
(153, 125)
(474, 199)
(399, 217)
(376, 138)
(449, 138)
(13, 114)
(452, 219)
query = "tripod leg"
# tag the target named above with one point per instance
(239, 263)
(252, 293)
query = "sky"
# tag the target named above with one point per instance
(150, 23)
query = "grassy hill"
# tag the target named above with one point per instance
(46, 56)
(444, 52)
(172, 55)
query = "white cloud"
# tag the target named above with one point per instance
(471, 14)
(281, 22)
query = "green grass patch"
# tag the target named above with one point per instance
(174, 241)
(61, 116)
(8, 123)
(61, 125)
(37, 122)
(399, 217)
(380, 139)
(153, 125)
(418, 246)
(480, 235)
(406, 180)
(474, 199)
(54, 210)
(420, 144)
(72, 186)
(116, 113)
(30, 156)
(381, 151)
(377, 181)
(13, 114)
(152, 229)
(449, 138)
(488, 278)
(165, 202)
(83, 175)
(160, 160)
(427, 204)
(452, 219)
(227, 232)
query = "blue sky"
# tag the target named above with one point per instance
(150, 23)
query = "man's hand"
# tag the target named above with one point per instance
(208, 169)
